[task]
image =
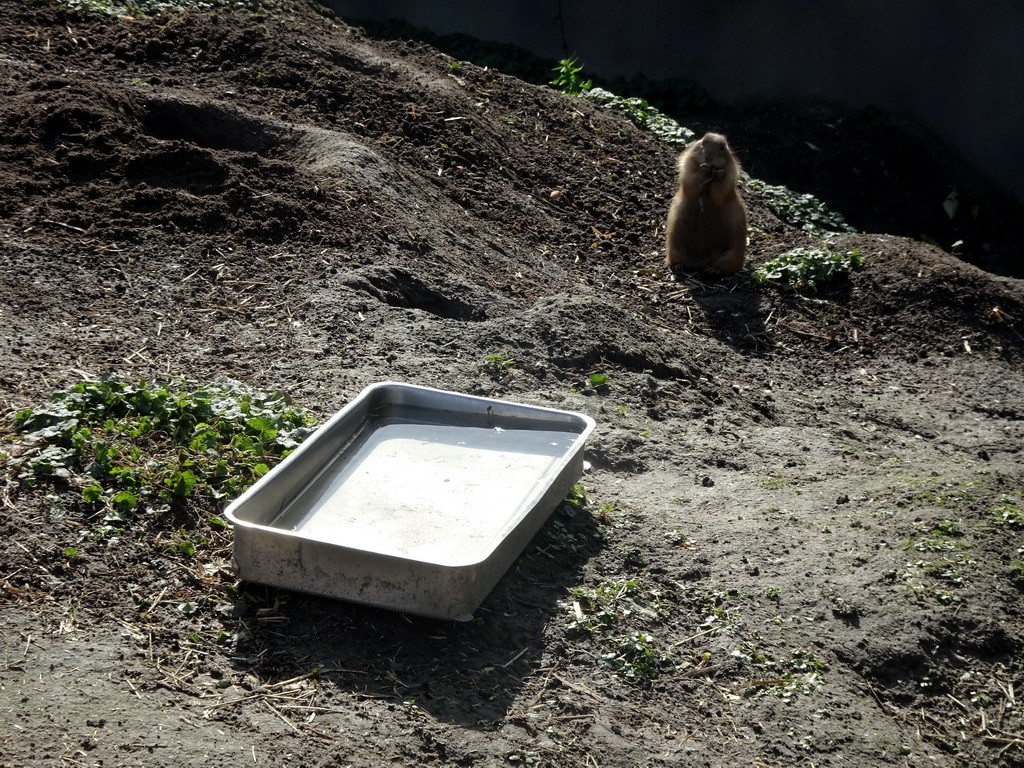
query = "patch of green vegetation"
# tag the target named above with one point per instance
(1010, 511)
(719, 612)
(678, 538)
(498, 363)
(633, 557)
(936, 491)
(948, 528)
(941, 537)
(950, 495)
(138, 8)
(806, 268)
(938, 578)
(559, 532)
(184, 543)
(612, 515)
(951, 571)
(930, 544)
(608, 615)
(644, 116)
(143, 447)
(596, 609)
(560, 538)
(576, 497)
(636, 109)
(636, 657)
(804, 211)
(786, 679)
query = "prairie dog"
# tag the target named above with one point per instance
(707, 221)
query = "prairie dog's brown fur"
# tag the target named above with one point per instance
(707, 221)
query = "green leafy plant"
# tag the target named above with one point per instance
(678, 538)
(720, 612)
(806, 268)
(1009, 512)
(607, 615)
(595, 609)
(143, 447)
(801, 210)
(576, 498)
(644, 116)
(948, 528)
(560, 534)
(938, 578)
(942, 537)
(633, 557)
(498, 363)
(930, 544)
(607, 514)
(560, 538)
(786, 678)
(568, 78)
(636, 657)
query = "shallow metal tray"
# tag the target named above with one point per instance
(409, 498)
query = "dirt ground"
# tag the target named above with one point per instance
(805, 511)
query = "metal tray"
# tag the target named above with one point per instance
(409, 498)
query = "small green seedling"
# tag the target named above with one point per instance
(568, 79)
(576, 498)
(498, 363)
(678, 539)
(604, 513)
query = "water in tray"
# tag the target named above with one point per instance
(436, 493)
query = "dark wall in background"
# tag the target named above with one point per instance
(956, 66)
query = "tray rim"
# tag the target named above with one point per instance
(572, 453)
